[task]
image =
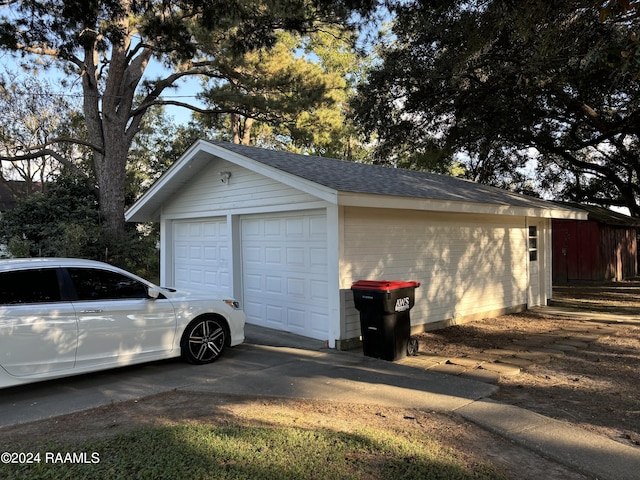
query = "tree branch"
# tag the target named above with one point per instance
(76, 141)
(44, 153)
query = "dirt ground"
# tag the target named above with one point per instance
(593, 387)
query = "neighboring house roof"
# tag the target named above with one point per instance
(12, 190)
(606, 216)
(7, 198)
(347, 183)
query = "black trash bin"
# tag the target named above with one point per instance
(385, 323)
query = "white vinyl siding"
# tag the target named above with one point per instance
(466, 264)
(206, 194)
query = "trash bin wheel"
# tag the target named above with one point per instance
(412, 347)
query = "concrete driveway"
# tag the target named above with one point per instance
(269, 363)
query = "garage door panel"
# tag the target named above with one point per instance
(297, 287)
(318, 260)
(181, 276)
(296, 319)
(318, 228)
(296, 257)
(271, 228)
(210, 253)
(319, 320)
(195, 253)
(253, 311)
(252, 255)
(273, 285)
(295, 228)
(274, 315)
(181, 252)
(197, 277)
(252, 229)
(223, 254)
(288, 253)
(214, 277)
(319, 291)
(273, 255)
(195, 229)
(201, 255)
(181, 229)
(253, 283)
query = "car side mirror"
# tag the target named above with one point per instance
(153, 292)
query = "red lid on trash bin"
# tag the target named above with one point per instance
(383, 285)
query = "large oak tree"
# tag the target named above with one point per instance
(493, 84)
(108, 46)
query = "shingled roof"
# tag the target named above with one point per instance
(345, 176)
(604, 215)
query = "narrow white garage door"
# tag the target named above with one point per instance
(284, 272)
(201, 255)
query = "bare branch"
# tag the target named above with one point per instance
(76, 141)
(221, 111)
(38, 50)
(205, 111)
(44, 153)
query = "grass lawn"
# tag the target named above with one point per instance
(193, 450)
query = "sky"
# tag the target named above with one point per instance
(67, 86)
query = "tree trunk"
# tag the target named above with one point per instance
(246, 134)
(111, 176)
(111, 126)
(241, 130)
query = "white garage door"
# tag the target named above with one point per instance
(201, 255)
(284, 272)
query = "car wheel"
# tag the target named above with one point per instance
(203, 340)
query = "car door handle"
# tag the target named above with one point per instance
(91, 311)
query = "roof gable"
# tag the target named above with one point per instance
(333, 177)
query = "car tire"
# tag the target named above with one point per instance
(204, 340)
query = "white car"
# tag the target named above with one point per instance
(61, 317)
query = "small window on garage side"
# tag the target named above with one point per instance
(29, 286)
(533, 243)
(95, 284)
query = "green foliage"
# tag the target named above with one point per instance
(57, 222)
(19, 247)
(64, 221)
(495, 86)
(136, 250)
(291, 95)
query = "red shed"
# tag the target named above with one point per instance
(604, 248)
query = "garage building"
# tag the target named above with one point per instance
(288, 234)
